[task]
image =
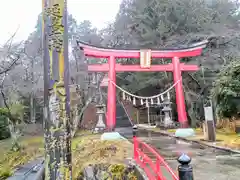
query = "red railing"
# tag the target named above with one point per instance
(151, 168)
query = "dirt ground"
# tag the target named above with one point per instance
(87, 148)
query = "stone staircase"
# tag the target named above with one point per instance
(122, 119)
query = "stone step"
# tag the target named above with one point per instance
(121, 117)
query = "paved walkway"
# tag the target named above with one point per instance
(208, 163)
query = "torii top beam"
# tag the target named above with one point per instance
(101, 52)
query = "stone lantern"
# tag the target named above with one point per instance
(100, 116)
(167, 118)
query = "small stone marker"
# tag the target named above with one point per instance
(209, 124)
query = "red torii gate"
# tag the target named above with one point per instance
(111, 67)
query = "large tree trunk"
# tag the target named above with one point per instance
(32, 101)
(32, 109)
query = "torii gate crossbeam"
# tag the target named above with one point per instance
(111, 67)
(137, 68)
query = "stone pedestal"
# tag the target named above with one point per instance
(167, 119)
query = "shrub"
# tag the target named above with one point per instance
(226, 91)
(4, 130)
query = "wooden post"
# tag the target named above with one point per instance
(149, 123)
(137, 116)
(56, 91)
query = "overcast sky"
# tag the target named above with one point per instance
(23, 14)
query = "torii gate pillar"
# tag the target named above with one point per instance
(180, 100)
(111, 105)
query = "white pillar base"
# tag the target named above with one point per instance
(185, 132)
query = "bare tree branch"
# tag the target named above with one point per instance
(10, 66)
(9, 114)
(8, 44)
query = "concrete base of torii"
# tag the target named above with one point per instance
(185, 132)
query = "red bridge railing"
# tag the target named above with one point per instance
(152, 169)
(154, 165)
